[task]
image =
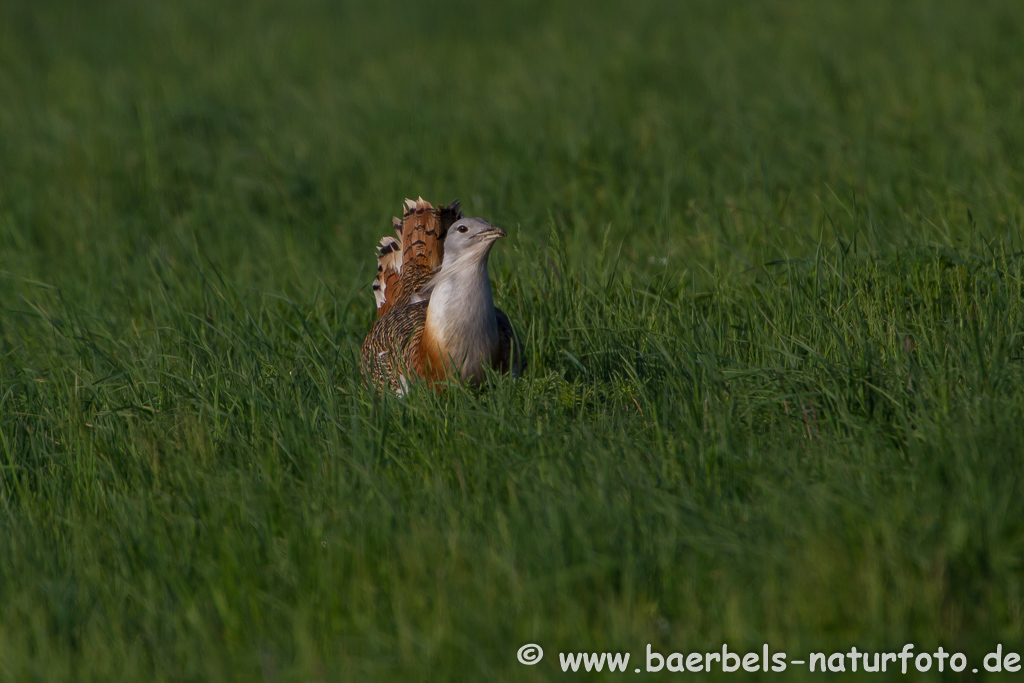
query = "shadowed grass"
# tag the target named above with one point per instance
(766, 259)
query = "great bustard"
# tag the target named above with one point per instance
(436, 318)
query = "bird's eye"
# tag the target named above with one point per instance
(462, 228)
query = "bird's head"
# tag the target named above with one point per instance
(470, 239)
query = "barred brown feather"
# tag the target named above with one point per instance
(387, 285)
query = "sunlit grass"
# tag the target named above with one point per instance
(766, 260)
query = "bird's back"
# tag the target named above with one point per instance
(391, 351)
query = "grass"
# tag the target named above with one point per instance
(766, 258)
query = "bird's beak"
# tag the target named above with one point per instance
(491, 233)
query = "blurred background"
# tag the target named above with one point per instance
(280, 137)
(765, 257)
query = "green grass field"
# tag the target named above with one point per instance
(766, 258)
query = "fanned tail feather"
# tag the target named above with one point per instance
(422, 241)
(424, 229)
(406, 264)
(387, 286)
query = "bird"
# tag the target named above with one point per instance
(436, 319)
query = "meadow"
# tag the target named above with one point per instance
(766, 259)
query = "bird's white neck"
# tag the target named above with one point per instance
(460, 317)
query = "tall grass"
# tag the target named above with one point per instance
(766, 259)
